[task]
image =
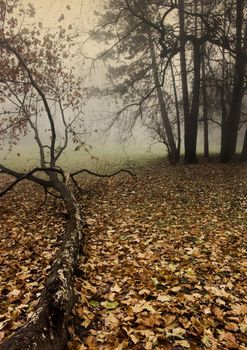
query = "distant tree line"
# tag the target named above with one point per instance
(177, 65)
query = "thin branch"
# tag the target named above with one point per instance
(97, 30)
(4, 43)
(12, 125)
(142, 18)
(118, 41)
(53, 194)
(99, 175)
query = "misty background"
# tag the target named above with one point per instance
(103, 145)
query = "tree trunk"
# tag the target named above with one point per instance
(185, 93)
(204, 94)
(244, 149)
(173, 154)
(47, 327)
(229, 147)
(177, 112)
(190, 152)
(223, 119)
(205, 113)
(222, 90)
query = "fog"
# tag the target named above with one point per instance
(104, 148)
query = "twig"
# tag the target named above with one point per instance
(53, 194)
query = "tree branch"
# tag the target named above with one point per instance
(4, 43)
(29, 176)
(72, 175)
(102, 175)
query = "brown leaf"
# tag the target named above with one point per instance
(230, 340)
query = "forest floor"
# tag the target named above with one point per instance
(163, 264)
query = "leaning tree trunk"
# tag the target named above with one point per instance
(166, 124)
(47, 327)
(177, 112)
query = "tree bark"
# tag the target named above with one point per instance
(204, 94)
(233, 118)
(173, 153)
(223, 119)
(205, 111)
(185, 93)
(47, 327)
(177, 112)
(244, 149)
(190, 152)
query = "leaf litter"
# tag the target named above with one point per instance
(164, 265)
(164, 261)
(30, 235)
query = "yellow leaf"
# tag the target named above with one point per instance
(172, 267)
(3, 324)
(176, 289)
(134, 338)
(88, 286)
(206, 341)
(122, 346)
(183, 343)
(110, 304)
(169, 319)
(176, 333)
(243, 327)
(164, 298)
(112, 321)
(144, 291)
(116, 288)
(239, 310)
(146, 332)
(143, 305)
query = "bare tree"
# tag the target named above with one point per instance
(37, 90)
(183, 31)
(232, 122)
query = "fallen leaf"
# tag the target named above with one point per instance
(176, 333)
(184, 343)
(230, 340)
(116, 288)
(110, 305)
(164, 298)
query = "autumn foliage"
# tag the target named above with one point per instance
(29, 50)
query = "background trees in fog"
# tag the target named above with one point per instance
(178, 64)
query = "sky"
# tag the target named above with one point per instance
(77, 12)
(51, 9)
